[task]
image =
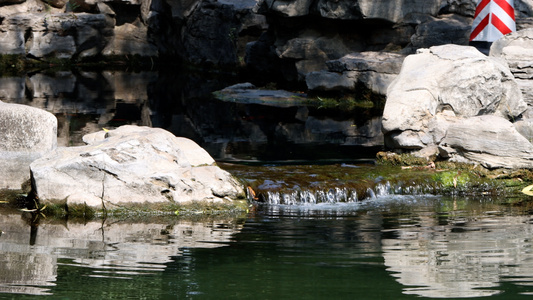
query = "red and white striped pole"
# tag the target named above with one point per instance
(492, 20)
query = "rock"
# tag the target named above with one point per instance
(180, 9)
(210, 34)
(447, 29)
(311, 50)
(132, 165)
(375, 70)
(456, 81)
(248, 93)
(489, 140)
(517, 49)
(398, 10)
(26, 129)
(26, 133)
(330, 81)
(130, 38)
(462, 7)
(392, 11)
(288, 8)
(58, 35)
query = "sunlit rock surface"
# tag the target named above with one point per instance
(132, 165)
(517, 50)
(443, 86)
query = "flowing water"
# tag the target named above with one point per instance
(326, 224)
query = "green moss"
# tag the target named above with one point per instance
(395, 159)
(450, 179)
(82, 211)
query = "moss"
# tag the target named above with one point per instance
(450, 179)
(82, 211)
(395, 159)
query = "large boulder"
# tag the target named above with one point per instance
(26, 133)
(451, 80)
(131, 165)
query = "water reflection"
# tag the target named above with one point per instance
(392, 246)
(459, 253)
(31, 255)
(434, 246)
(86, 101)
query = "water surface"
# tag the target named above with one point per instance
(387, 247)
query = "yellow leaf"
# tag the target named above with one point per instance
(105, 129)
(527, 190)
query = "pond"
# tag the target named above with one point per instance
(326, 225)
(387, 247)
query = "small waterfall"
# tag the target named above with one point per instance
(349, 194)
(330, 196)
(333, 195)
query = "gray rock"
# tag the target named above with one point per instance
(26, 129)
(390, 10)
(447, 29)
(398, 10)
(247, 93)
(130, 38)
(329, 81)
(491, 141)
(210, 33)
(517, 49)
(311, 50)
(289, 8)
(26, 133)
(457, 80)
(132, 165)
(462, 7)
(375, 70)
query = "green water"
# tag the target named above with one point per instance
(388, 247)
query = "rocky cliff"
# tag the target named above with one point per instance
(271, 37)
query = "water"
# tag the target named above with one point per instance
(387, 247)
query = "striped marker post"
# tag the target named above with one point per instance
(492, 20)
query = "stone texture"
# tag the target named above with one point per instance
(130, 39)
(517, 49)
(26, 129)
(26, 133)
(132, 165)
(374, 70)
(390, 10)
(489, 140)
(458, 80)
(447, 29)
(210, 34)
